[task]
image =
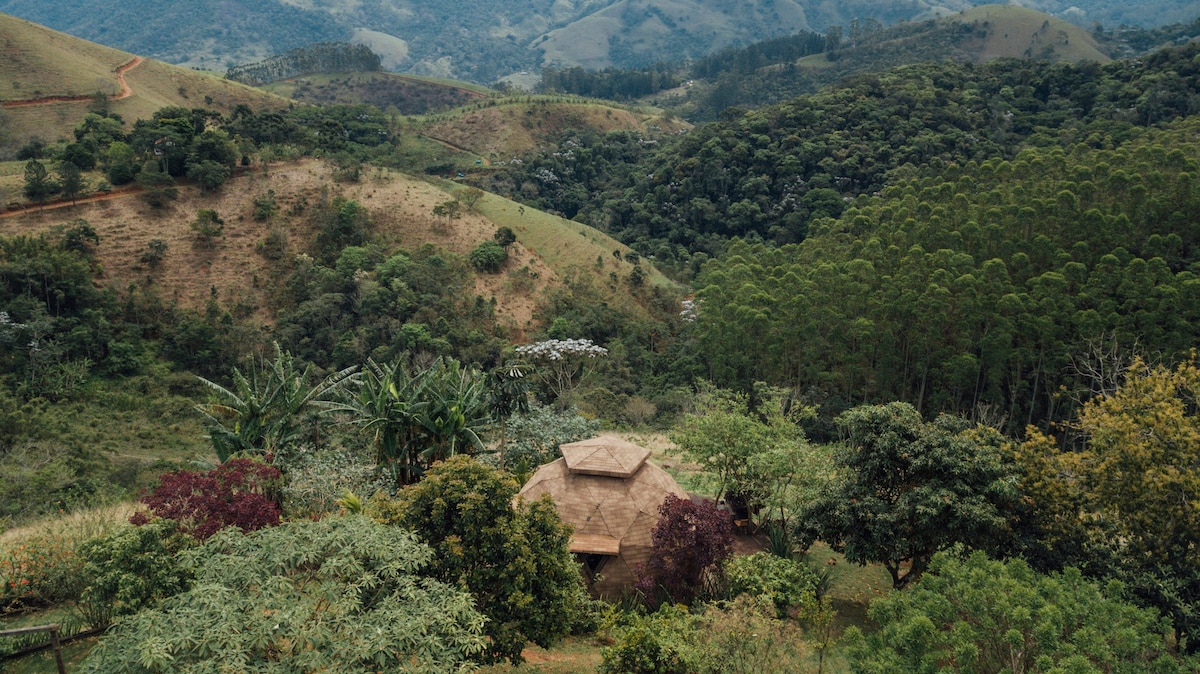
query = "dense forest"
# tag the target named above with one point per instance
(937, 321)
(770, 172)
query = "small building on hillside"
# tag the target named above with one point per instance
(610, 493)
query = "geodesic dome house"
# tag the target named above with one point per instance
(610, 493)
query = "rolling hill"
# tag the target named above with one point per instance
(506, 128)
(548, 247)
(49, 80)
(409, 95)
(1011, 31)
(767, 73)
(484, 41)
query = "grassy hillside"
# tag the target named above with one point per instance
(409, 95)
(1014, 31)
(40, 63)
(502, 129)
(638, 31)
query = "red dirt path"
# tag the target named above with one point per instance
(126, 91)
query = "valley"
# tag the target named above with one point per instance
(881, 330)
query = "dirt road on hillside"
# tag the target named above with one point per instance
(25, 207)
(126, 91)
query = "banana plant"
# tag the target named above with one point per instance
(415, 419)
(262, 412)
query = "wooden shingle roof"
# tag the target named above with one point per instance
(606, 455)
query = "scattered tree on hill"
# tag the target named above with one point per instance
(121, 162)
(82, 154)
(34, 149)
(70, 180)
(207, 226)
(38, 185)
(451, 210)
(489, 257)
(156, 250)
(208, 174)
(80, 237)
(908, 489)
(470, 197)
(157, 188)
(340, 223)
(505, 236)
(265, 206)
(513, 558)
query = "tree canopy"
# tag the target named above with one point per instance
(306, 596)
(1121, 505)
(512, 557)
(909, 488)
(981, 615)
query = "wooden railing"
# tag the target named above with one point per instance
(53, 630)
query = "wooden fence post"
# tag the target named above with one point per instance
(53, 630)
(62, 668)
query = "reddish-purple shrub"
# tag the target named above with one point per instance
(237, 493)
(691, 541)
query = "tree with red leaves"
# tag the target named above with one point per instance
(237, 493)
(691, 540)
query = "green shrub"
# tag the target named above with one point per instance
(265, 206)
(513, 557)
(40, 571)
(341, 594)
(744, 637)
(982, 615)
(317, 480)
(786, 583)
(533, 437)
(489, 257)
(505, 236)
(132, 569)
(663, 642)
(738, 637)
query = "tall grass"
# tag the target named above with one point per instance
(39, 563)
(79, 526)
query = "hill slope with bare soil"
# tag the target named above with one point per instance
(235, 266)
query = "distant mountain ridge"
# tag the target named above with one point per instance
(482, 41)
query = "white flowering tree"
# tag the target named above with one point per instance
(560, 363)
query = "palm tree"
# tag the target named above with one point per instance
(385, 404)
(508, 394)
(261, 412)
(456, 411)
(417, 419)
